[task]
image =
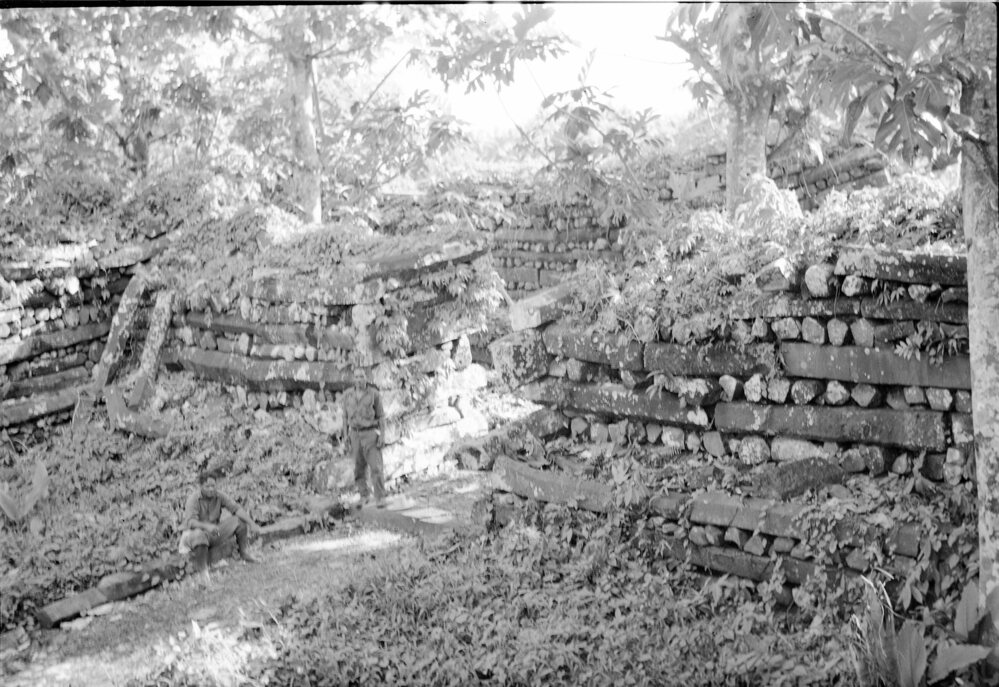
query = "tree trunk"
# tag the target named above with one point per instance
(306, 180)
(981, 230)
(746, 153)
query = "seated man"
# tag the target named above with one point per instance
(205, 531)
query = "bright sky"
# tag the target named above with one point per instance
(638, 70)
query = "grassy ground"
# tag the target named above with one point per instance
(207, 625)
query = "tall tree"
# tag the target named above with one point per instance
(746, 54)
(980, 196)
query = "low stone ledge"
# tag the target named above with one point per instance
(585, 344)
(616, 400)
(550, 486)
(954, 313)
(913, 429)
(24, 410)
(260, 375)
(55, 381)
(710, 361)
(43, 343)
(308, 334)
(909, 267)
(542, 307)
(873, 366)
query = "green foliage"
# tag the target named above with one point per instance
(886, 656)
(901, 67)
(116, 502)
(568, 603)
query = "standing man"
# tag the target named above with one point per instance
(204, 528)
(365, 420)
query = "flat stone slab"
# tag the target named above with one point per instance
(915, 429)
(308, 334)
(617, 400)
(429, 514)
(874, 366)
(710, 361)
(789, 306)
(796, 477)
(33, 407)
(956, 313)
(261, 375)
(581, 343)
(520, 357)
(42, 343)
(541, 307)
(905, 266)
(399, 522)
(551, 486)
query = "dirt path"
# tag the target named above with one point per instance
(214, 617)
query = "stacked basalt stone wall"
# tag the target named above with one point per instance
(813, 387)
(294, 342)
(56, 308)
(844, 170)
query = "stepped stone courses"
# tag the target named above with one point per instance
(842, 402)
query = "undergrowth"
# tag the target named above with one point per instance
(529, 606)
(115, 501)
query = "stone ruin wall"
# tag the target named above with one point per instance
(810, 390)
(55, 314)
(81, 326)
(537, 245)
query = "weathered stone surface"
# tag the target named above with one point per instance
(55, 381)
(914, 395)
(862, 332)
(307, 333)
(761, 330)
(786, 329)
(913, 310)
(149, 361)
(820, 280)
(736, 536)
(580, 370)
(541, 307)
(870, 458)
(31, 408)
(653, 431)
(70, 607)
(856, 364)
(261, 375)
(582, 344)
(962, 429)
(954, 295)
(694, 391)
(893, 331)
(520, 357)
(788, 450)
(804, 391)
(962, 401)
(902, 464)
(904, 266)
(710, 361)
(13, 351)
(615, 400)
(780, 275)
(910, 429)
(777, 519)
(731, 387)
(674, 438)
(754, 450)
(121, 329)
(787, 306)
(796, 477)
(813, 331)
(131, 421)
(778, 389)
(939, 399)
(479, 453)
(933, 466)
(757, 545)
(953, 470)
(714, 444)
(866, 396)
(854, 285)
(551, 487)
(755, 388)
